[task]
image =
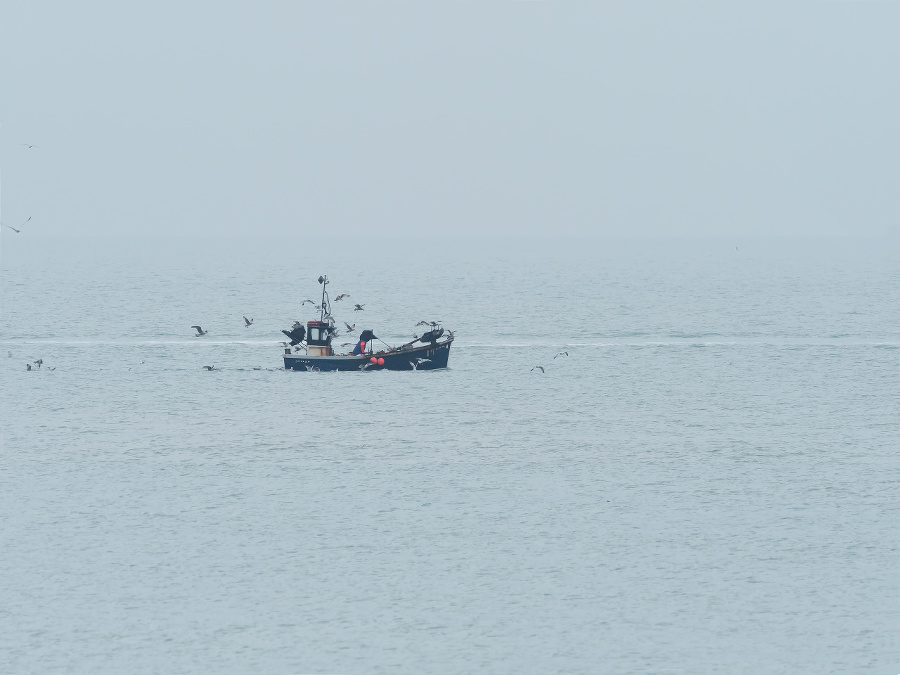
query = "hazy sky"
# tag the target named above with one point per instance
(635, 118)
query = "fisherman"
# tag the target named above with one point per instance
(364, 337)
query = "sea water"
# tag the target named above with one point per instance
(705, 483)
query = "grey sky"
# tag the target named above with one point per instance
(311, 118)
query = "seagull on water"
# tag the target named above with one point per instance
(27, 366)
(200, 331)
(341, 297)
(561, 354)
(247, 322)
(358, 308)
(541, 368)
(209, 368)
(19, 230)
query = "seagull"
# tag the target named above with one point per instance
(365, 365)
(343, 344)
(247, 322)
(200, 331)
(305, 301)
(39, 362)
(541, 368)
(341, 297)
(29, 145)
(210, 368)
(415, 363)
(27, 366)
(312, 369)
(49, 368)
(561, 354)
(350, 328)
(14, 229)
(358, 308)
(284, 344)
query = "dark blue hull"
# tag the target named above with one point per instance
(425, 357)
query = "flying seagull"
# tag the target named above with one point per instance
(358, 308)
(200, 331)
(14, 229)
(341, 297)
(541, 368)
(561, 354)
(350, 328)
(39, 362)
(247, 322)
(365, 365)
(415, 363)
(305, 301)
(209, 368)
(423, 323)
(29, 145)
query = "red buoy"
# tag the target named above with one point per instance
(373, 360)
(380, 362)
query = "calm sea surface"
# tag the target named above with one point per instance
(707, 483)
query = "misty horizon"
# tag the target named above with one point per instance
(533, 118)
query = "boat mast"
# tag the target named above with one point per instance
(324, 281)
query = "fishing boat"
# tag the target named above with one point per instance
(310, 347)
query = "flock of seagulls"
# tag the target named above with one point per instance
(34, 365)
(541, 368)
